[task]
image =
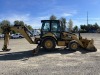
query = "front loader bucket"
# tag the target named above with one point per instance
(90, 46)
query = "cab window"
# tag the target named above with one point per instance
(46, 26)
(55, 26)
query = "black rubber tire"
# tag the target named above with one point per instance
(53, 44)
(20, 36)
(73, 43)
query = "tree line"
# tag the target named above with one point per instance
(66, 26)
(90, 28)
(52, 17)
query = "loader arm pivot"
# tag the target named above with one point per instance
(21, 29)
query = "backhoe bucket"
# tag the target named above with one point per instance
(90, 46)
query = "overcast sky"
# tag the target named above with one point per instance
(33, 11)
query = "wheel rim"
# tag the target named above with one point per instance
(48, 44)
(74, 46)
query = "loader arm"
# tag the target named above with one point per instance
(85, 43)
(21, 29)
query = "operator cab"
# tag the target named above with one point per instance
(52, 26)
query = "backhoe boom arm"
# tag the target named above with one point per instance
(21, 29)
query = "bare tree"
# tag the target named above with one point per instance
(70, 25)
(53, 17)
(63, 25)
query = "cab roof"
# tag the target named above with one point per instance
(50, 20)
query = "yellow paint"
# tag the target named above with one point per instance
(74, 46)
(61, 43)
(49, 35)
(48, 44)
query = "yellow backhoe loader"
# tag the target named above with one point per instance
(51, 35)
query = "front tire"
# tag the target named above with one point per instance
(49, 44)
(73, 45)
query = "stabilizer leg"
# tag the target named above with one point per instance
(6, 41)
(5, 48)
(35, 51)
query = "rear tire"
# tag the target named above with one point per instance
(49, 44)
(73, 45)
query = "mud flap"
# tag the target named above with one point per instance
(91, 46)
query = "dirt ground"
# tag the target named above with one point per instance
(21, 61)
